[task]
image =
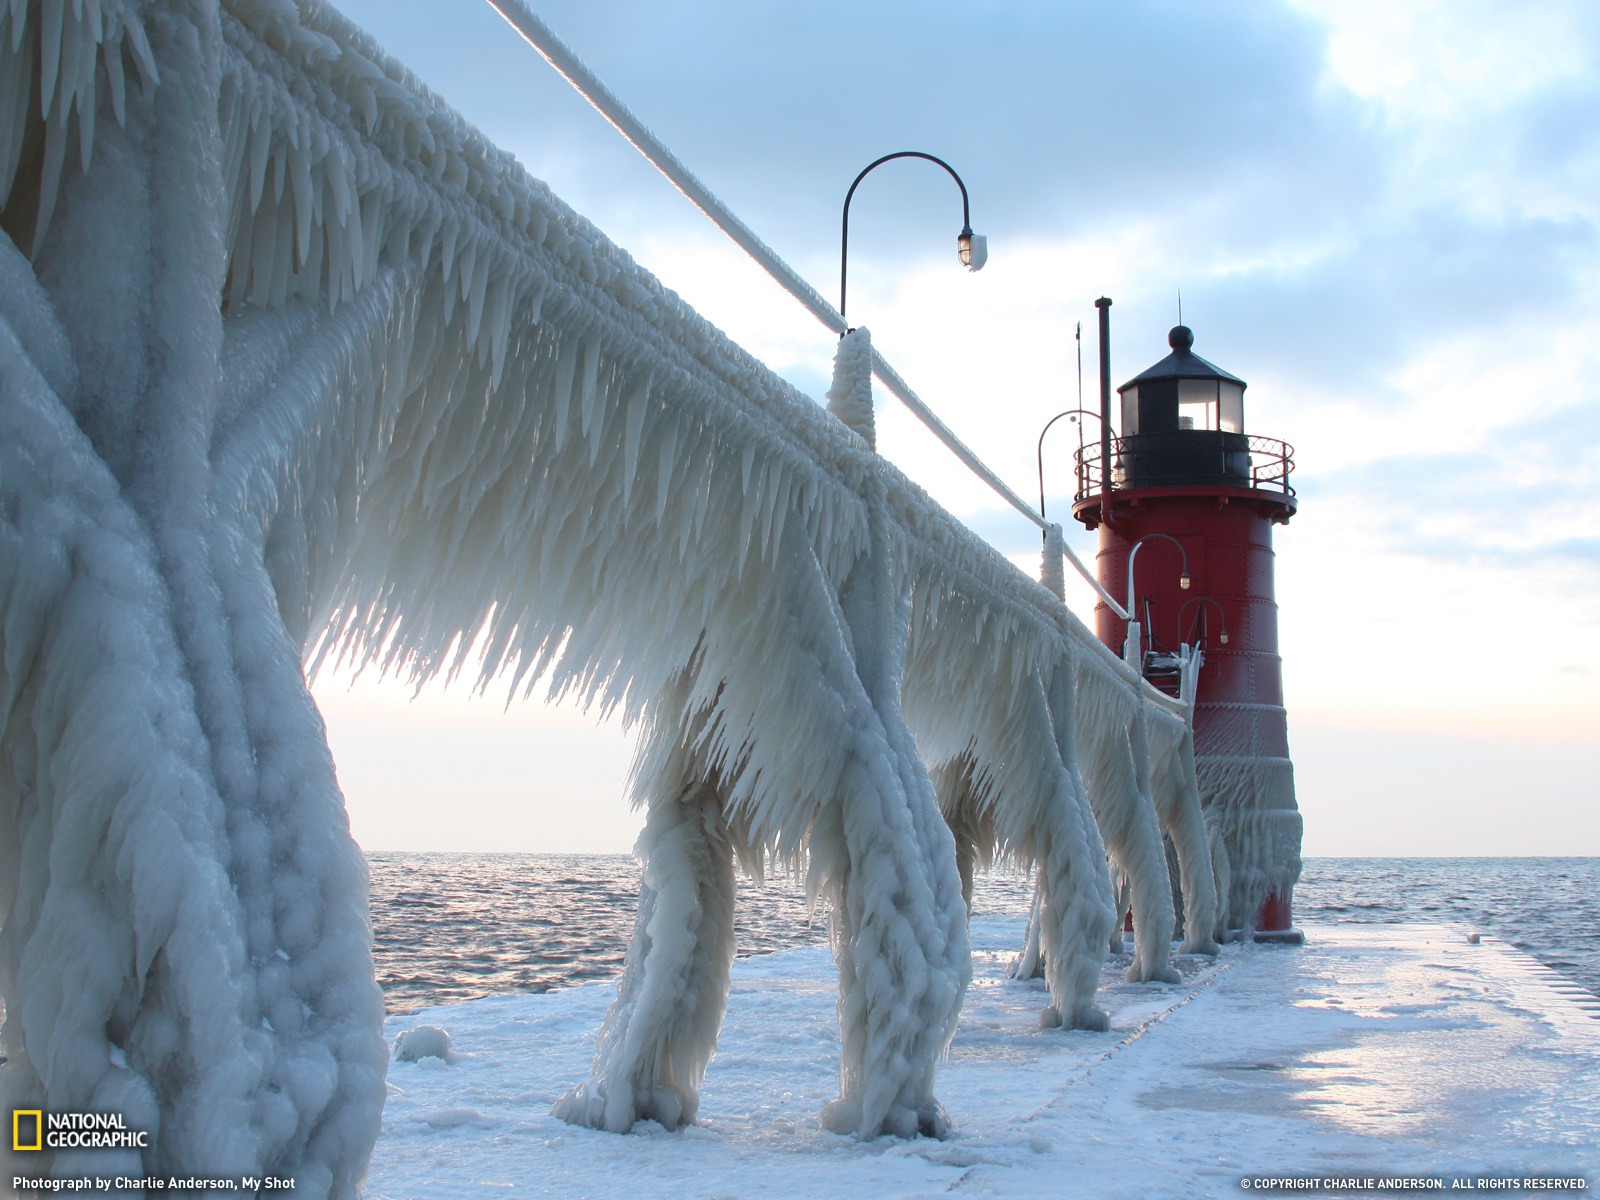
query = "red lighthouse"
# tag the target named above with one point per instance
(1187, 481)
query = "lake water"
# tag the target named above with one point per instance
(454, 927)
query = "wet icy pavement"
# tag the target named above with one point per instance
(1370, 1051)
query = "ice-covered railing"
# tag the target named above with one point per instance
(543, 39)
(296, 365)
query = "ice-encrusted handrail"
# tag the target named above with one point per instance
(560, 56)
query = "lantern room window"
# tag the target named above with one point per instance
(1197, 404)
(1209, 404)
(1230, 407)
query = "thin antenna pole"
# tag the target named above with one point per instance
(1104, 305)
(1180, 306)
(1078, 337)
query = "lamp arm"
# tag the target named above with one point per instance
(1134, 553)
(1069, 412)
(844, 224)
(1222, 617)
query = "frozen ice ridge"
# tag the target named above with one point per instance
(294, 366)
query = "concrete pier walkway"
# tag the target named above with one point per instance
(1371, 1057)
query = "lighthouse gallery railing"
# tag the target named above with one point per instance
(1268, 466)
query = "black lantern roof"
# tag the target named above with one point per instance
(1182, 363)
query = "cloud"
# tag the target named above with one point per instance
(1057, 115)
(1515, 529)
(1355, 316)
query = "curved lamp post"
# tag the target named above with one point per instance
(1071, 412)
(971, 247)
(1132, 653)
(1222, 638)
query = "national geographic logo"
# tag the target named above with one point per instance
(34, 1129)
(27, 1129)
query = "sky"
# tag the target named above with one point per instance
(1385, 217)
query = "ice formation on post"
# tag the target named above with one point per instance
(186, 937)
(991, 690)
(662, 1028)
(804, 663)
(1177, 802)
(296, 367)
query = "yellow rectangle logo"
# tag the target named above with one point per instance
(19, 1138)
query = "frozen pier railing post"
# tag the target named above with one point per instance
(289, 353)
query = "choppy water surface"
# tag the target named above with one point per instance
(1549, 907)
(453, 927)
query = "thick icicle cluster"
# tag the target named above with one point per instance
(297, 367)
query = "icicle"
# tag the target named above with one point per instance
(16, 82)
(119, 85)
(561, 397)
(16, 15)
(589, 416)
(277, 162)
(52, 20)
(477, 265)
(498, 305)
(666, 462)
(449, 239)
(372, 206)
(305, 217)
(55, 148)
(339, 178)
(746, 461)
(143, 56)
(86, 104)
(633, 428)
(699, 487)
(774, 500)
(749, 505)
(781, 509)
(260, 154)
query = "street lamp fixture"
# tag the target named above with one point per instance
(1131, 652)
(1073, 414)
(1183, 579)
(971, 248)
(1222, 638)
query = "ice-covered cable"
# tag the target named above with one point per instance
(560, 56)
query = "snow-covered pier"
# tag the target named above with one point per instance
(1373, 1052)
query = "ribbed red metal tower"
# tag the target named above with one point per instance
(1184, 467)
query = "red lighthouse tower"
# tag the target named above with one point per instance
(1185, 479)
